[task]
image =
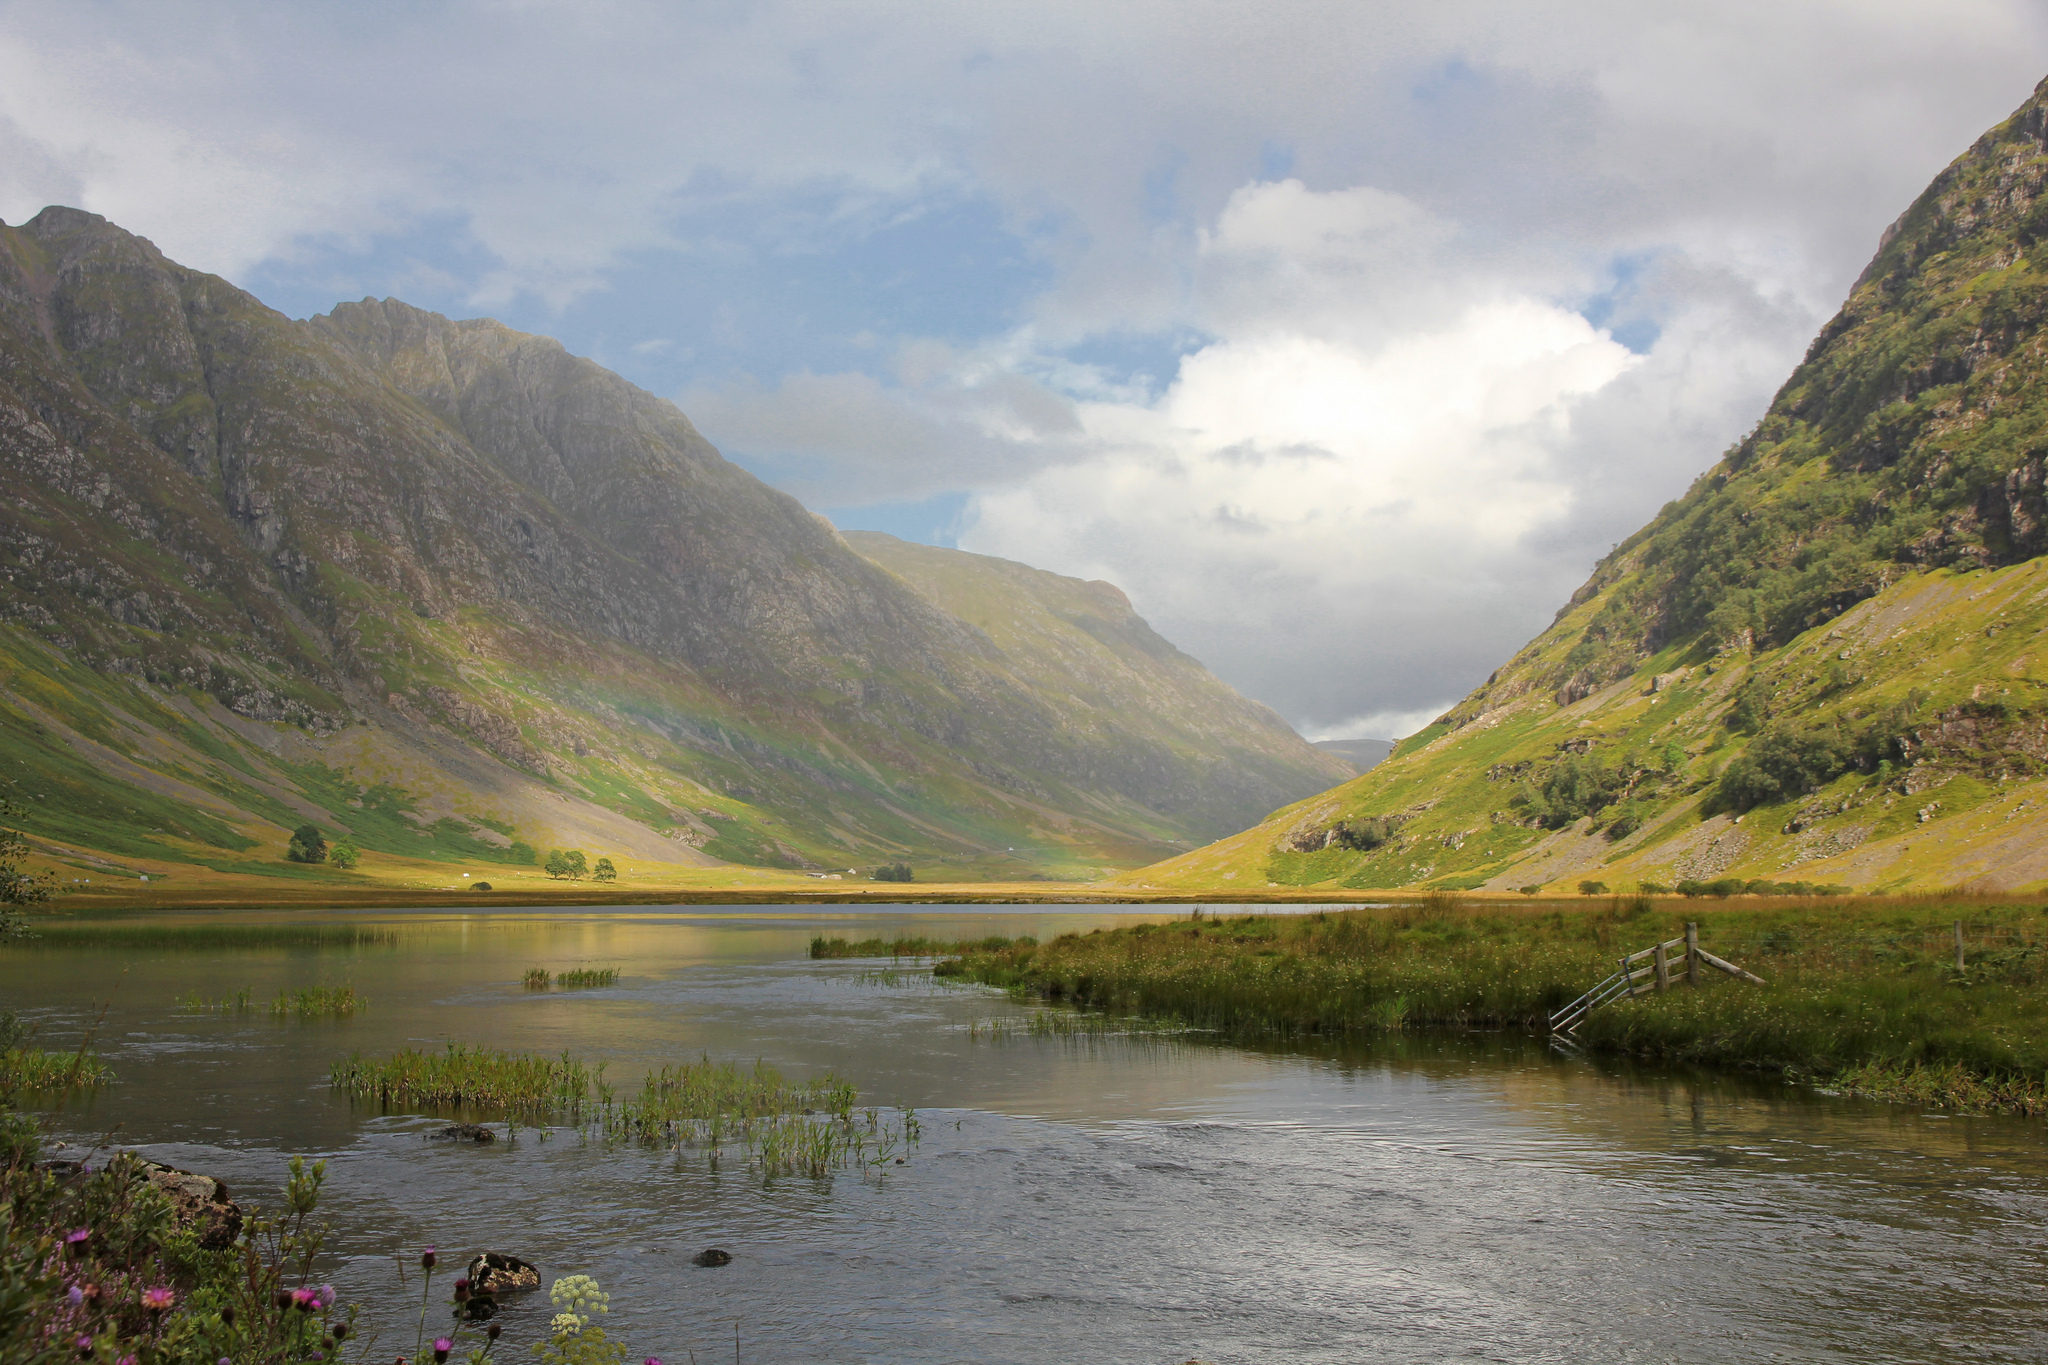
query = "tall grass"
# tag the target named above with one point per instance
(205, 937)
(316, 1002)
(903, 945)
(1863, 991)
(30, 1069)
(779, 1126)
(539, 978)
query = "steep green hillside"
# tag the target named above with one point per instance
(1822, 664)
(448, 588)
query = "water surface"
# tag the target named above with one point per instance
(1420, 1198)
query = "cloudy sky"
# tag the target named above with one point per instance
(1345, 337)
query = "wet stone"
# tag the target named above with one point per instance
(463, 1132)
(713, 1256)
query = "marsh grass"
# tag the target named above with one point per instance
(539, 978)
(34, 1070)
(777, 1126)
(240, 1002)
(1860, 992)
(916, 945)
(205, 937)
(1074, 1024)
(319, 1002)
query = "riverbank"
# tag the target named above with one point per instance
(1859, 993)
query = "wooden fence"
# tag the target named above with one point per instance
(1656, 973)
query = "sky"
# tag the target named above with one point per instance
(1344, 337)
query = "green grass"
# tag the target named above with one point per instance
(781, 1127)
(538, 978)
(30, 1069)
(1860, 993)
(319, 1002)
(904, 945)
(203, 937)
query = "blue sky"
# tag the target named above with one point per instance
(1344, 338)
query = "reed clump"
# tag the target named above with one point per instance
(905, 945)
(539, 978)
(1861, 992)
(779, 1126)
(241, 1002)
(23, 1068)
(319, 1002)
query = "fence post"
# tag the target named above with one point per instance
(1663, 968)
(1959, 945)
(1692, 953)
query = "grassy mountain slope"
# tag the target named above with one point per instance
(1822, 664)
(448, 588)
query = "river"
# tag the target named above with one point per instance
(1425, 1197)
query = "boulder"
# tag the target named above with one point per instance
(463, 1132)
(713, 1256)
(494, 1273)
(201, 1204)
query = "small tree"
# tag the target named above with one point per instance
(345, 855)
(604, 871)
(18, 888)
(556, 865)
(307, 845)
(894, 872)
(577, 866)
(1592, 888)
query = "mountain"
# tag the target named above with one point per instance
(1361, 754)
(1823, 664)
(446, 587)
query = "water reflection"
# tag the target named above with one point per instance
(1424, 1197)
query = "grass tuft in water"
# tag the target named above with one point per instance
(914, 945)
(319, 1002)
(240, 1002)
(779, 1126)
(30, 1069)
(539, 978)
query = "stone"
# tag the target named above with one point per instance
(201, 1204)
(463, 1132)
(712, 1256)
(492, 1275)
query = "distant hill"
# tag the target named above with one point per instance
(1361, 754)
(1825, 663)
(446, 587)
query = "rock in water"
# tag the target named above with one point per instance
(495, 1273)
(463, 1132)
(713, 1256)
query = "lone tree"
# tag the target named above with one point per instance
(604, 871)
(894, 872)
(18, 888)
(307, 845)
(345, 855)
(556, 865)
(577, 866)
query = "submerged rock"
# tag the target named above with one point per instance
(713, 1256)
(463, 1132)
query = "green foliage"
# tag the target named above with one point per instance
(576, 865)
(1591, 888)
(1782, 763)
(1363, 833)
(894, 872)
(603, 871)
(345, 855)
(572, 1338)
(18, 887)
(556, 865)
(307, 845)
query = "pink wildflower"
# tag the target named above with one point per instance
(158, 1299)
(442, 1346)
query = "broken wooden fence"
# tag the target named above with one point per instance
(1654, 975)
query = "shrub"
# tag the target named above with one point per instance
(1592, 888)
(894, 872)
(1782, 763)
(1363, 834)
(345, 855)
(307, 845)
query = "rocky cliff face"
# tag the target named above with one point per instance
(458, 554)
(1771, 680)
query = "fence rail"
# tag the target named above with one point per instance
(1656, 975)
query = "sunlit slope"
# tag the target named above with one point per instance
(447, 588)
(1822, 664)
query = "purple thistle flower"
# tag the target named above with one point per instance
(427, 1258)
(76, 1296)
(442, 1346)
(159, 1298)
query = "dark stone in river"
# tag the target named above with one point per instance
(493, 1273)
(463, 1132)
(713, 1256)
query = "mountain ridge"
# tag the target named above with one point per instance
(1768, 681)
(442, 551)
